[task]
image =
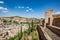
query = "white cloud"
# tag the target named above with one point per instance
(19, 7)
(22, 7)
(30, 8)
(1, 2)
(57, 13)
(27, 10)
(4, 10)
(27, 7)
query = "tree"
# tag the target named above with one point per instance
(5, 21)
(15, 22)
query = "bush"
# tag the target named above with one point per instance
(11, 38)
(16, 37)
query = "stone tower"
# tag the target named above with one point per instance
(49, 17)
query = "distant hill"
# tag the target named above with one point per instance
(13, 18)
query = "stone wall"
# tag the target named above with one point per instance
(49, 17)
(56, 22)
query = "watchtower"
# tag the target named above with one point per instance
(49, 17)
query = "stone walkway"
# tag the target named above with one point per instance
(52, 35)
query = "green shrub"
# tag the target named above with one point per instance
(11, 38)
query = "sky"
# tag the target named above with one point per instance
(28, 8)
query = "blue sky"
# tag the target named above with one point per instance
(28, 8)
